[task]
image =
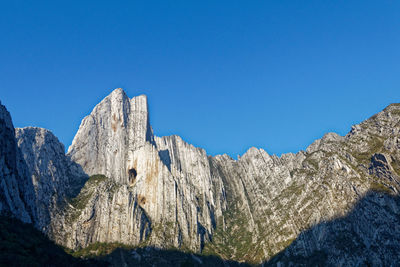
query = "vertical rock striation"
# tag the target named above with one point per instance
(161, 187)
(161, 191)
(108, 138)
(54, 177)
(16, 193)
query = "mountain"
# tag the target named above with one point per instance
(23, 245)
(54, 176)
(119, 183)
(15, 187)
(157, 191)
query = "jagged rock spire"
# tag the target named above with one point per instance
(116, 126)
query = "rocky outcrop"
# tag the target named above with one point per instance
(366, 236)
(169, 193)
(164, 192)
(286, 196)
(16, 195)
(53, 175)
(109, 136)
(36, 176)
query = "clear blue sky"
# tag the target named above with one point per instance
(224, 75)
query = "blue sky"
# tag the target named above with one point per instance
(224, 75)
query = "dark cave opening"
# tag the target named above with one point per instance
(132, 175)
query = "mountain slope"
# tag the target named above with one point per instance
(367, 236)
(54, 176)
(23, 245)
(16, 192)
(288, 195)
(246, 209)
(146, 190)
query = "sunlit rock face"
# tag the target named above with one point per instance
(169, 193)
(111, 135)
(164, 192)
(158, 190)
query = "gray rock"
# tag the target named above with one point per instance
(246, 209)
(53, 175)
(164, 192)
(16, 193)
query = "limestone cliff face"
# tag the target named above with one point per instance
(53, 175)
(16, 193)
(37, 178)
(157, 190)
(354, 178)
(108, 138)
(164, 192)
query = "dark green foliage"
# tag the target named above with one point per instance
(375, 144)
(118, 254)
(80, 201)
(317, 258)
(22, 245)
(235, 240)
(149, 256)
(96, 250)
(380, 188)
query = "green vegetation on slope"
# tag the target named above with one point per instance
(97, 250)
(81, 200)
(23, 245)
(380, 188)
(233, 242)
(97, 178)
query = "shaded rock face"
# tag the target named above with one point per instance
(16, 194)
(37, 177)
(53, 175)
(164, 192)
(352, 240)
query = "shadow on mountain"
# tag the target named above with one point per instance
(367, 236)
(165, 158)
(23, 245)
(78, 178)
(150, 256)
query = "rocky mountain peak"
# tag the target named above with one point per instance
(106, 138)
(40, 136)
(118, 91)
(166, 193)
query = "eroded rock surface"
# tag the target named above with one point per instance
(16, 194)
(164, 192)
(54, 177)
(245, 209)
